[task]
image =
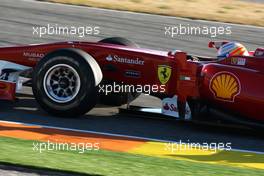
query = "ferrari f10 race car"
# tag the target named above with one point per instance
(66, 77)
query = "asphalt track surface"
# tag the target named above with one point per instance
(11, 170)
(18, 17)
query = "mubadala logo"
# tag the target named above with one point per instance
(29, 54)
(124, 60)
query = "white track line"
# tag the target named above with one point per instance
(115, 135)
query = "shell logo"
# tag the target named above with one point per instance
(225, 86)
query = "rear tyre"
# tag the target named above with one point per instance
(119, 41)
(64, 84)
(118, 99)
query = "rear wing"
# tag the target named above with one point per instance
(217, 44)
(259, 52)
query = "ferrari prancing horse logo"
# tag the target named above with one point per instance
(164, 73)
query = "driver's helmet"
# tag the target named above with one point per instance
(232, 49)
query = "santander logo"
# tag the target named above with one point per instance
(124, 60)
(170, 107)
(109, 58)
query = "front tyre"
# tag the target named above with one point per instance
(61, 83)
(64, 84)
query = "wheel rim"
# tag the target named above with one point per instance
(61, 83)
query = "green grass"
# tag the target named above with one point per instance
(136, 1)
(16, 151)
(228, 7)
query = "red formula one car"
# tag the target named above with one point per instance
(66, 78)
